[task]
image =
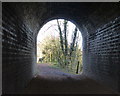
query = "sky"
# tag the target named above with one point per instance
(51, 29)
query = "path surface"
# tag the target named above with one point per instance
(48, 72)
(53, 81)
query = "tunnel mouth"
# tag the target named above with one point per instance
(59, 46)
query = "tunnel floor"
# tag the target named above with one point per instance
(53, 81)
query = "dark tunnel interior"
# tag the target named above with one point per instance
(99, 24)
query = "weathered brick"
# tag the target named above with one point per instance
(99, 24)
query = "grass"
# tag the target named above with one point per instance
(54, 65)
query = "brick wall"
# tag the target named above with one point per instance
(101, 40)
(18, 48)
(103, 54)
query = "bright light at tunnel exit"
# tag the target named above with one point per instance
(51, 29)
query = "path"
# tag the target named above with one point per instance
(54, 81)
(48, 72)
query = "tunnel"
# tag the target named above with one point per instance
(99, 24)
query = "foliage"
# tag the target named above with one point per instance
(58, 51)
(52, 52)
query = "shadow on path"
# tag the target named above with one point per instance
(53, 81)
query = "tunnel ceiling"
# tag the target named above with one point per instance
(99, 24)
(36, 14)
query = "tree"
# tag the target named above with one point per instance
(73, 48)
(58, 51)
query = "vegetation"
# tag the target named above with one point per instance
(61, 53)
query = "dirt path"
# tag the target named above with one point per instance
(48, 72)
(53, 81)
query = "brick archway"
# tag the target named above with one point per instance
(98, 22)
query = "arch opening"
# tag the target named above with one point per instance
(59, 44)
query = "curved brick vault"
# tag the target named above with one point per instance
(99, 24)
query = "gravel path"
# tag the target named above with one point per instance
(53, 81)
(45, 71)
